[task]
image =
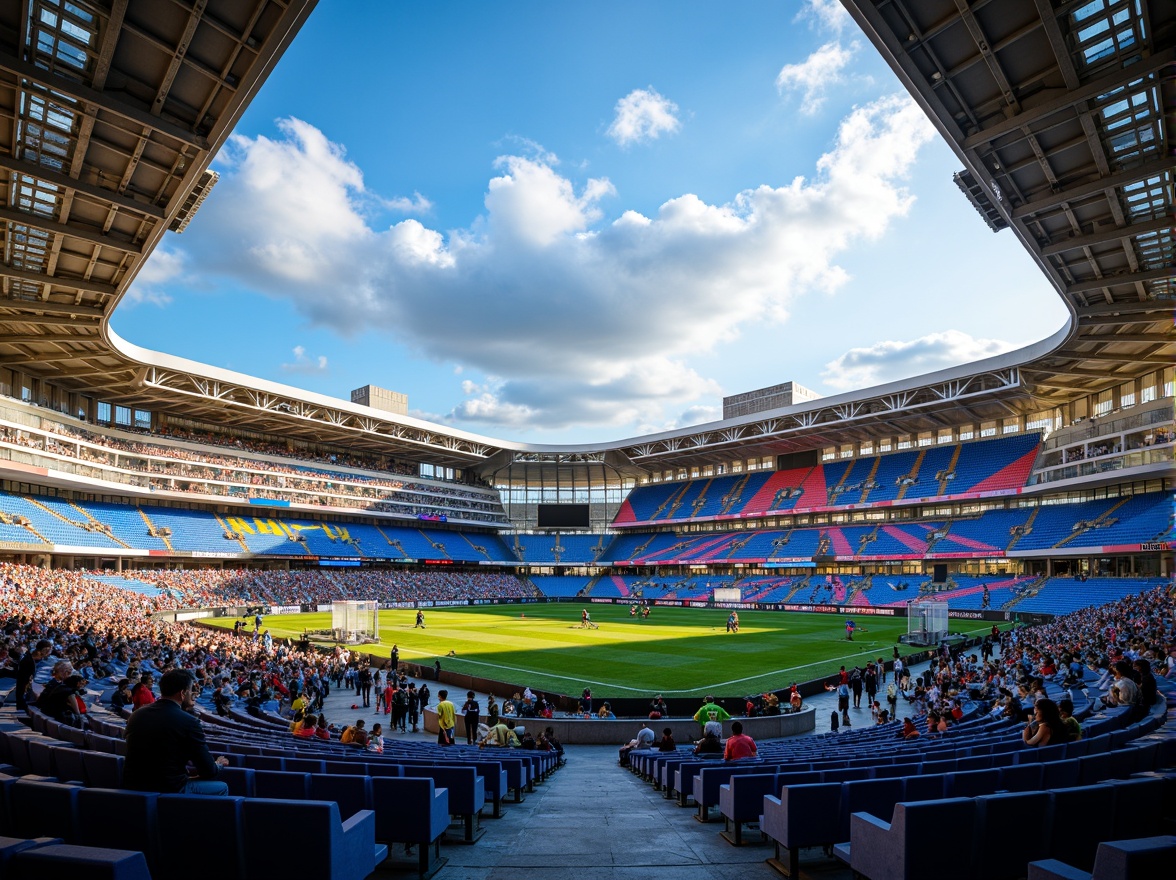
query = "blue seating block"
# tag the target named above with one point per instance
(69, 862)
(922, 838)
(342, 850)
(118, 819)
(220, 836)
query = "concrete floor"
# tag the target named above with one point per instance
(594, 819)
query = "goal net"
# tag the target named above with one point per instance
(926, 621)
(355, 622)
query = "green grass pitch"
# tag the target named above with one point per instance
(683, 652)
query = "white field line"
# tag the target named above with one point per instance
(641, 690)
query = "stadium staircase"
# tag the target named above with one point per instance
(948, 473)
(1032, 589)
(840, 487)
(734, 496)
(95, 525)
(1103, 519)
(934, 536)
(520, 551)
(478, 548)
(677, 499)
(21, 522)
(802, 584)
(778, 544)
(392, 542)
(672, 502)
(1021, 531)
(89, 525)
(857, 595)
(700, 501)
(869, 482)
(155, 532)
(641, 548)
(232, 534)
(912, 476)
(599, 548)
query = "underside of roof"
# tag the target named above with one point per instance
(112, 111)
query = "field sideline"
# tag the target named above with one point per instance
(681, 652)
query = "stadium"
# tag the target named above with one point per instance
(157, 513)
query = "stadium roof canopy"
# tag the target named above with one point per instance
(113, 110)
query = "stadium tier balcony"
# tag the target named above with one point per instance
(981, 466)
(147, 462)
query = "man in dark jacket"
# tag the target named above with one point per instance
(163, 738)
(26, 669)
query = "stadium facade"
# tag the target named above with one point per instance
(1054, 459)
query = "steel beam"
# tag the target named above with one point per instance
(100, 99)
(64, 181)
(48, 307)
(1118, 280)
(1107, 234)
(1022, 121)
(1094, 187)
(83, 233)
(57, 281)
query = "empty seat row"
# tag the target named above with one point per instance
(243, 829)
(995, 836)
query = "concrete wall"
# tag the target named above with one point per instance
(572, 731)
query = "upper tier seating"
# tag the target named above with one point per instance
(985, 466)
(557, 548)
(555, 586)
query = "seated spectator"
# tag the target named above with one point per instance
(710, 744)
(306, 727)
(643, 740)
(141, 694)
(354, 735)
(606, 712)
(322, 730)
(56, 697)
(666, 743)
(1046, 727)
(909, 731)
(122, 695)
(163, 739)
(1073, 728)
(739, 745)
(553, 744)
(376, 742)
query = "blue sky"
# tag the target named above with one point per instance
(572, 223)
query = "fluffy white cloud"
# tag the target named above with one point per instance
(165, 267)
(643, 115)
(584, 320)
(827, 15)
(814, 76)
(304, 364)
(890, 360)
(417, 204)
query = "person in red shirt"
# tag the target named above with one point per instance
(739, 745)
(141, 694)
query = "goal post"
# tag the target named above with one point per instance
(355, 622)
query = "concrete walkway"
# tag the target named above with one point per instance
(594, 820)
